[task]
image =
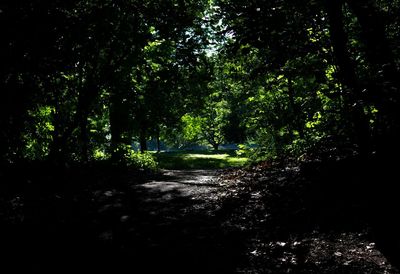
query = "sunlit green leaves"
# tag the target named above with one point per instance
(192, 128)
(38, 139)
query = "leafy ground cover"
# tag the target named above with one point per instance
(200, 159)
(310, 218)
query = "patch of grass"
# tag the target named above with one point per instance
(200, 159)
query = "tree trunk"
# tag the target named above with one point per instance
(64, 129)
(215, 146)
(373, 34)
(82, 116)
(158, 141)
(296, 112)
(59, 144)
(116, 127)
(14, 108)
(142, 141)
(383, 89)
(86, 96)
(348, 77)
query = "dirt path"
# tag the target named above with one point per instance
(175, 223)
(174, 184)
(178, 194)
(193, 224)
(189, 221)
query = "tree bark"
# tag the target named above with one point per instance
(116, 126)
(58, 144)
(296, 112)
(82, 117)
(348, 77)
(142, 138)
(384, 87)
(373, 35)
(158, 141)
(216, 147)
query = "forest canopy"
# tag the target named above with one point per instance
(87, 80)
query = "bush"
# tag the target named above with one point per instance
(129, 157)
(269, 146)
(244, 150)
(141, 160)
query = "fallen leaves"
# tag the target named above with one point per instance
(272, 203)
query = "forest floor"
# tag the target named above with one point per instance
(269, 218)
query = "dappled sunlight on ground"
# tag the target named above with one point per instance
(182, 183)
(200, 160)
(268, 218)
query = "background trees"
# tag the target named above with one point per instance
(87, 75)
(321, 54)
(88, 78)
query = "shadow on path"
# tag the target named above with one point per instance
(120, 225)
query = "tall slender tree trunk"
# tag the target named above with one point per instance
(87, 92)
(373, 33)
(58, 144)
(347, 75)
(158, 140)
(142, 137)
(116, 127)
(383, 89)
(14, 107)
(83, 131)
(384, 93)
(215, 146)
(296, 112)
(63, 131)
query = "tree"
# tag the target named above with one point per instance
(207, 126)
(86, 56)
(311, 29)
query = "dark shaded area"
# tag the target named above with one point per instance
(99, 218)
(318, 217)
(271, 218)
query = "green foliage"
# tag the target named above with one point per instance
(214, 120)
(40, 133)
(100, 155)
(141, 160)
(246, 150)
(270, 146)
(192, 128)
(102, 75)
(132, 158)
